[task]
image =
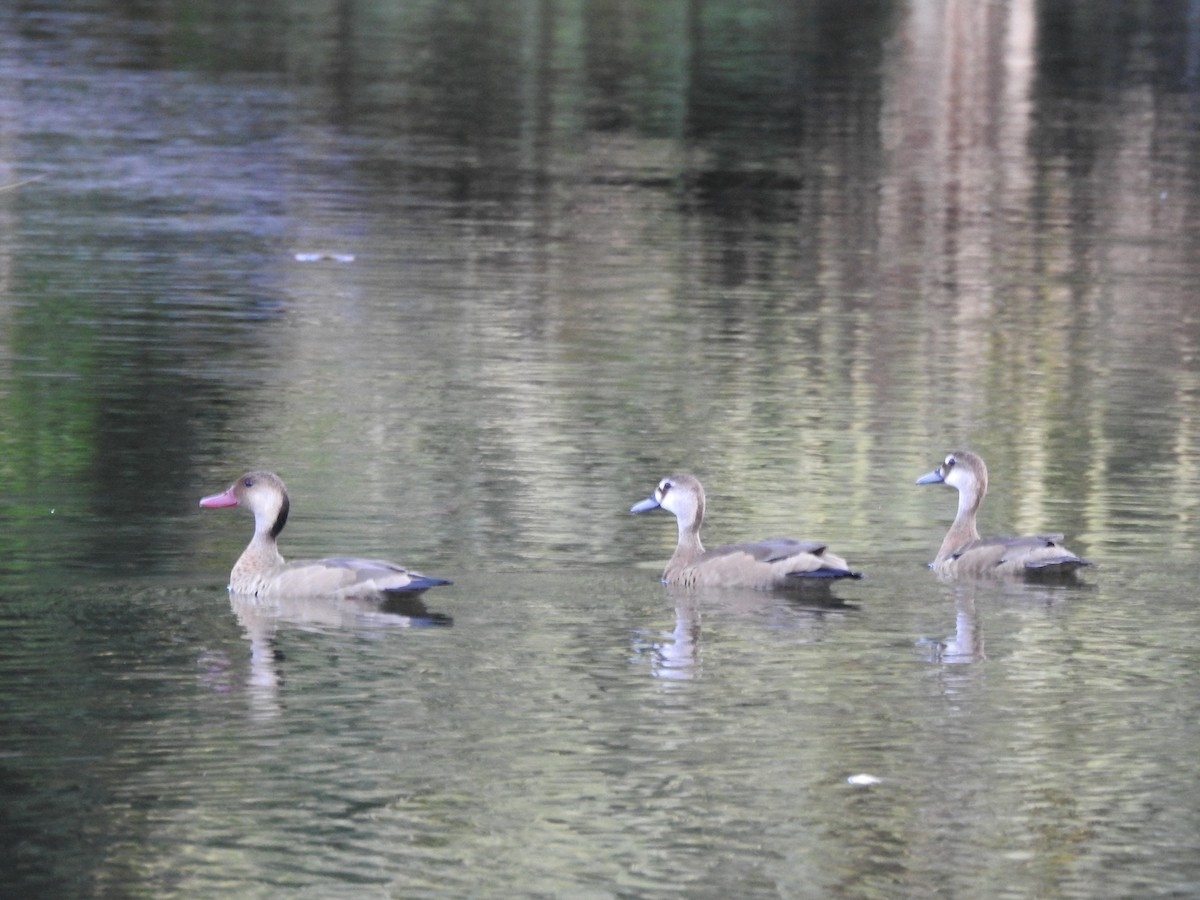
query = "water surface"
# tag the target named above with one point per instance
(472, 280)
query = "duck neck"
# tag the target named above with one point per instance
(261, 555)
(688, 549)
(963, 529)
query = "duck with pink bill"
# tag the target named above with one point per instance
(262, 572)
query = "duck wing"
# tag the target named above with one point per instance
(1028, 553)
(772, 550)
(778, 562)
(348, 576)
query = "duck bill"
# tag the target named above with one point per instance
(225, 498)
(934, 477)
(644, 505)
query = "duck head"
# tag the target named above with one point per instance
(680, 494)
(263, 493)
(962, 470)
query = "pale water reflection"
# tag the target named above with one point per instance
(262, 622)
(966, 644)
(678, 654)
(470, 283)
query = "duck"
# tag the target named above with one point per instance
(772, 564)
(964, 552)
(261, 571)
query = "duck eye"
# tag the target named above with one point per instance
(950, 461)
(249, 482)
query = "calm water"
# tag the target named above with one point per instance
(473, 277)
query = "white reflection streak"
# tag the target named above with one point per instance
(1019, 47)
(261, 622)
(263, 682)
(679, 658)
(966, 646)
(956, 152)
(264, 679)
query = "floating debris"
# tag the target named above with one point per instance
(863, 779)
(324, 257)
(13, 185)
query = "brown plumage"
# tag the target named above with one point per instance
(262, 572)
(964, 552)
(776, 563)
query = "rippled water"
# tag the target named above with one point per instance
(472, 284)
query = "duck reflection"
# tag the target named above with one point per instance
(966, 644)
(676, 655)
(262, 622)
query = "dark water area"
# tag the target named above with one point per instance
(472, 277)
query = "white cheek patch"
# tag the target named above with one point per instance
(676, 501)
(956, 478)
